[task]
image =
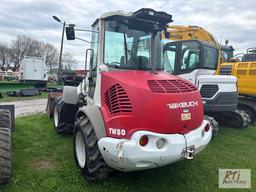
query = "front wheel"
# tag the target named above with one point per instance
(86, 152)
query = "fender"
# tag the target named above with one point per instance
(94, 115)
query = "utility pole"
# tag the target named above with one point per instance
(61, 46)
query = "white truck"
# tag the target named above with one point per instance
(33, 70)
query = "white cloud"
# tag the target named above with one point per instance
(233, 20)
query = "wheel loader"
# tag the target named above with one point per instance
(243, 66)
(7, 124)
(128, 114)
(198, 62)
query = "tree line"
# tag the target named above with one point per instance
(12, 55)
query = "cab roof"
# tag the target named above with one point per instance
(147, 14)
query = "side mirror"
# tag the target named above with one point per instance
(89, 53)
(70, 33)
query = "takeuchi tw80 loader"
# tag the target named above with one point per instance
(129, 114)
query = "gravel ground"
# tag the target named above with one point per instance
(28, 107)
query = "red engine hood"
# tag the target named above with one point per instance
(141, 100)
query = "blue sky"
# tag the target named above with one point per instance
(234, 20)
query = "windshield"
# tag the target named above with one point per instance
(210, 58)
(186, 56)
(128, 45)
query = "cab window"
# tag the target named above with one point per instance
(210, 58)
(169, 59)
(190, 56)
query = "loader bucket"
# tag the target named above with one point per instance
(51, 102)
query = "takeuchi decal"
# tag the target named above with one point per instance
(182, 105)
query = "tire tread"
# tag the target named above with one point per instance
(96, 169)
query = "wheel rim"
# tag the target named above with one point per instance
(80, 149)
(56, 117)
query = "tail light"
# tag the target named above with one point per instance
(144, 140)
(207, 127)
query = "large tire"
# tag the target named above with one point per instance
(50, 106)
(86, 152)
(52, 97)
(5, 119)
(57, 121)
(5, 147)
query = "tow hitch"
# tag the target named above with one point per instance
(188, 152)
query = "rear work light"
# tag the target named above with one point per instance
(144, 140)
(160, 143)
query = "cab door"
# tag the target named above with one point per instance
(189, 64)
(182, 58)
(92, 76)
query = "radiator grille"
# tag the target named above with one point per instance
(253, 65)
(241, 72)
(171, 86)
(208, 91)
(117, 100)
(252, 72)
(242, 65)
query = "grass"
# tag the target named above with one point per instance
(53, 84)
(43, 161)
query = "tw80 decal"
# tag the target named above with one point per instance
(114, 131)
(182, 105)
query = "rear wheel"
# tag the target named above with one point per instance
(56, 116)
(86, 152)
(50, 106)
(5, 147)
